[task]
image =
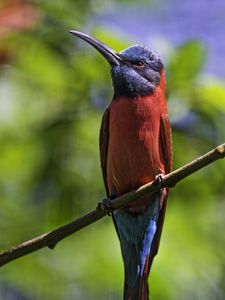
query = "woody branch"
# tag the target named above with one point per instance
(50, 239)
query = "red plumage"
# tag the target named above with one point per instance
(138, 141)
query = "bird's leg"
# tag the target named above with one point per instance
(104, 205)
(159, 180)
(162, 191)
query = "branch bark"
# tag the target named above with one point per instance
(50, 239)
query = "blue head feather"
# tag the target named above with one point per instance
(130, 79)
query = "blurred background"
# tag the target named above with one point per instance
(53, 91)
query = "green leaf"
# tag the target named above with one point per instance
(185, 64)
(212, 95)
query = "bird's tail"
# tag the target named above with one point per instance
(137, 233)
(140, 291)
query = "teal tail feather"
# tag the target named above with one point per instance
(137, 232)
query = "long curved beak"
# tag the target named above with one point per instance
(110, 55)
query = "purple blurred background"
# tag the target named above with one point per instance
(198, 19)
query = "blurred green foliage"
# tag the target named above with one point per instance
(53, 91)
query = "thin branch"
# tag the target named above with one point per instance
(50, 239)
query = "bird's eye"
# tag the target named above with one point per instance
(139, 63)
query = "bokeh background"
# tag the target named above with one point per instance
(53, 91)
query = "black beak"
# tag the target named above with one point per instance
(110, 55)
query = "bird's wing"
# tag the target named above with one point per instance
(103, 143)
(165, 144)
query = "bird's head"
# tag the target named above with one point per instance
(135, 71)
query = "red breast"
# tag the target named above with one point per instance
(134, 157)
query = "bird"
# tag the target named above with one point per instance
(135, 148)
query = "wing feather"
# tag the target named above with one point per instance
(103, 144)
(165, 144)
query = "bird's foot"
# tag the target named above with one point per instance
(162, 191)
(105, 206)
(158, 181)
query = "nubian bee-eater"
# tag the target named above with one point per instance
(135, 147)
